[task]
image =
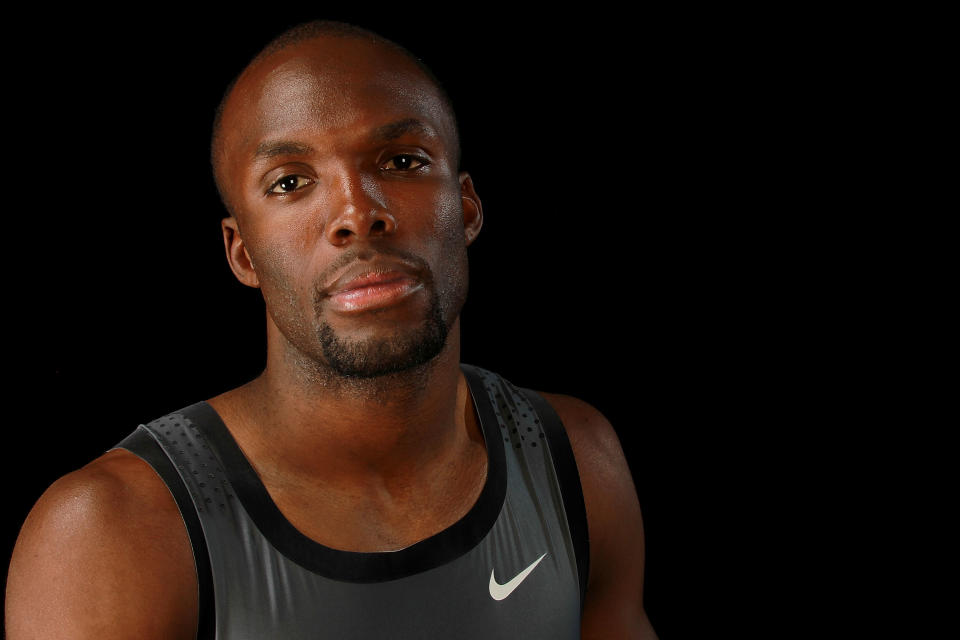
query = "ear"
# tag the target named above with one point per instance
(237, 256)
(472, 209)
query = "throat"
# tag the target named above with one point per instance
(349, 518)
(361, 477)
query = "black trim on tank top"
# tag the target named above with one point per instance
(570, 487)
(142, 444)
(353, 566)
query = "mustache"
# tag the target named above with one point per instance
(365, 254)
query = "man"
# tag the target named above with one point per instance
(366, 484)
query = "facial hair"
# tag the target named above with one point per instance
(385, 355)
(375, 357)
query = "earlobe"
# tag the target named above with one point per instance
(472, 208)
(237, 255)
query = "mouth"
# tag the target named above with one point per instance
(370, 286)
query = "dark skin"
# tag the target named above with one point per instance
(370, 180)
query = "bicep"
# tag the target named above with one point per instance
(96, 558)
(614, 601)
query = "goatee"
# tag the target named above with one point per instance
(382, 356)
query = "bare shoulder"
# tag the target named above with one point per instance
(614, 603)
(104, 553)
(594, 441)
(604, 473)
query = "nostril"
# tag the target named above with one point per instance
(378, 227)
(342, 234)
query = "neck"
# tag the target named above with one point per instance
(300, 424)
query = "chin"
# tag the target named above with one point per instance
(383, 356)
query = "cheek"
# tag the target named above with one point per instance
(452, 256)
(448, 221)
(279, 263)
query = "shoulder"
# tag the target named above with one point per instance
(604, 474)
(103, 552)
(591, 435)
(614, 600)
(114, 485)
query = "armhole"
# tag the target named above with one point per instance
(569, 478)
(142, 444)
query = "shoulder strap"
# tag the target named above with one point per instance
(569, 479)
(141, 444)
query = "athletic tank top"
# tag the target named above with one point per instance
(514, 566)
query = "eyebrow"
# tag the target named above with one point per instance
(399, 128)
(281, 148)
(383, 133)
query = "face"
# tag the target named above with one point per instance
(350, 214)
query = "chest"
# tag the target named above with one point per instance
(519, 580)
(357, 522)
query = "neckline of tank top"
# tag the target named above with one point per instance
(365, 567)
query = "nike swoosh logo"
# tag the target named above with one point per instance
(500, 591)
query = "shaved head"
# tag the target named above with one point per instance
(297, 35)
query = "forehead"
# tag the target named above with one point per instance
(328, 86)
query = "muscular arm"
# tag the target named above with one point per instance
(103, 555)
(614, 602)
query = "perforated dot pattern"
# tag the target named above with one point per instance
(518, 419)
(210, 488)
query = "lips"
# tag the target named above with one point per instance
(366, 286)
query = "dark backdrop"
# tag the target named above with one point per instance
(611, 265)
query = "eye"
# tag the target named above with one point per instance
(405, 162)
(289, 184)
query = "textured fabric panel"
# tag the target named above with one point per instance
(262, 593)
(568, 482)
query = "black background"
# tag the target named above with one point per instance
(622, 167)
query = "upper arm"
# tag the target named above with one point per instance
(102, 555)
(614, 602)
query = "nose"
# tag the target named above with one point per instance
(359, 211)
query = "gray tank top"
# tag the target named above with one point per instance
(514, 566)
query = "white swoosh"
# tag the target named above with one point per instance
(500, 591)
